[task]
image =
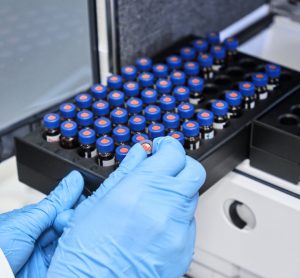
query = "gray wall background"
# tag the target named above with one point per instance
(148, 26)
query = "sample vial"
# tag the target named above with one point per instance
(167, 104)
(121, 135)
(152, 114)
(128, 73)
(119, 116)
(136, 138)
(67, 111)
(149, 96)
(187, 53)
(181, 94)
(234, 100)
(174, 62)
(134, 106)
(196, 85)
(171, 121)
(178, 78)
(260, 81)
(87, 143)
(147, 146)
(99, 91)
(85, 119)
(121, 152)
(83, 101)
(116, 98)
(156, 130)
(220, 109)
(218, 53)
(206, 62)
(105, 148)
(177, 135)
(191, 69)
(231, 44)
(247, 90)
(205, 119)
(101, 108)
(143, 64)
(163, 86)
(200, 45)
(137, 124)
(68, 139)
(191, 132)
(213, 38)
(131, 89)
(102, 126)
(146, 80)
(51, 131)
(273, 71)
(186, 111)
(114, 82)
(160, 71)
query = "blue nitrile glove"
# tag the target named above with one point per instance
(139, 223)
(28, 237)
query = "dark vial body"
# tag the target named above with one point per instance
(207, 132)
(220, 122)
(192, 142)
(262, 92)
(234, 111)
(51, 135)
(249, 102)
(207, 73)
(87, 150)
(273, 83)
(69, 142)
(106, 159)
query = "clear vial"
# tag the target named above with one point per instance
(119, 116)
(196, 85)
(171, 121)
(234, 100)
(273, 71)
(220, 109)
(129, 73)
(219, 54)
(114, 82)
(121, 152)
(51, 131)
(67, 111)
(205, 118)
(231, 44)
(247, 89)
(83, 101)
(103, 127)
(206, 62)
(174, 63)
(68, 139)
(191, 132)
(87, 143)
(137, 124)
(260, 81)
(105, 149)
(121, 135)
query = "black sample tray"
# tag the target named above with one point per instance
(41, 164)
(275, 140)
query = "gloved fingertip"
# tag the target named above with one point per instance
(62, 220)
(160, 142)
(137, 153)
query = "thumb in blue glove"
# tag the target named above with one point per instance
(26, 235)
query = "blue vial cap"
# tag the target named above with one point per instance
(231, 43)
(200, 45)
(137, 123)
(187, 53)
(186, 110)
(85, 118)
(152, 113)
(164, 86)
(167, 103)
(247, 88)
(233, 98)
(114, 82)
(219, 107)
(146, 79)
(273, 70)
(99, 91)
(156, 130)
(218, 52)
(119, 116)
(160, 70)
(67, 110)
(149, 96)
(190, 128)
(191, 68)
(121, 152)
(178, 78)
(196, 84)
(143, 64)
(102, 125)
(136, 138)
(68, 128)
(51, 120)
(205, 118)
(178, 136)
(174, 62)
(134, 105)
(205, 60)
(181, 93)
(213, 37)
(87, 136)
(121, 134)
(129, 72)
(101, 108)
(116, 98)
(83, 100)
(131, 89)
(259, 79)
(171, 120)
(105, 144)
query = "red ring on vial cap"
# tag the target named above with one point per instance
(185, 106)
(181, 90)
(219, 104)
(104, 141)
(67, 107)
(149, 93)
(86, 133)
(259, 75)
(121, 130)
(137, 119)
(156, 127)
(195, 81)
(100, 104)
(51, 117)
(102, 122)
(84, 115)
(171, 117)
(131, 85)
(98, 88)
(134, 102)
(177, 74)
(145, 75)
(163, 82)
(152, 109)
(190, 125)
(83, 97)
(247, 85)
(114, 78)
(160, 67)
(175, 135)
(129, 69)
(167, 99)
(204, 114)
(124, 150)
(68, 125)
(233, 94)
(119, 112)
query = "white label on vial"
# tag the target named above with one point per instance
(107, 163)
(216, 67)
(90, 154)
(252, 105)
(271, 87)
(194, 146)
(219, 125)
(194, 101)
(209, 135)
(263, 96)
(53, 139)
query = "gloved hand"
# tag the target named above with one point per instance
(27, 235)
(139, 223)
